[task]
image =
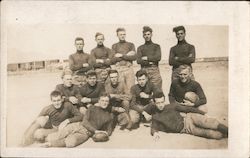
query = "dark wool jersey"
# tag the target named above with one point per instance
(101, 52)
(77, 60)
(123, 47)
(56, 116)
(92, 92)
(178, 90)
(152, 51)
(169, 119)
(184, 51)
(135, 91)
(97, 118)
(68, 91)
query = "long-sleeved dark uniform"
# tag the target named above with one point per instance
(169, 119)
(185, 53)
(101, 52)
(97, 118)
(153, 53)
(92, 92)
(77, 60)
(123, 47)
(68, 91)
(178, 90)
(136, 100)
(56, 116)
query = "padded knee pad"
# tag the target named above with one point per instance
(100, 137)
(70, 142)
(39, 135)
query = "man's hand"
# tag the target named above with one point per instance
(99, 61)
(187, 103)
(113, 95)
(118, 55)
(99, 131)
(156, 136)
(176, 58)
(63, 124)
(73, 100)
(119, 109)
(144, 58)
(85, 65)
(42, 120)
(85, 100)
(88, 105)
(147, 116)
(131, 53)
(144, 95)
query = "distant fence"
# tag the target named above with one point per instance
(56, 64)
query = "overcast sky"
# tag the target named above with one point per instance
(40, 31)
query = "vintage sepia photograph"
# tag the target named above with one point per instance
(110, 79)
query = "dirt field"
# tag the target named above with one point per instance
(28, 94)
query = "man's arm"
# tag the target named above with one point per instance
(77, 116)
(171, 97)
(202, 98)
(139, 58)
(191, 57)
(130, 57)
(171, 60)
(188, 109)
(154, 127)
(86, 123)
(133, 103)
(72, 64)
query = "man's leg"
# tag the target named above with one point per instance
(129, 77)
(135, 118)
(125, 105)
(41, 134)
(154, 76)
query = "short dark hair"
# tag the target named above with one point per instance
(158, 94)
(79, 39)
(91, 73)
(178, 28)
(141, 73)
(120, 29)
(55, 94)
(112, 71)
(98, 34)
(146, 29)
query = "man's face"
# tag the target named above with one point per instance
(160, 103)
(67, 80)
(57, 101)
(114, 78)
(103, 102)
(180, 35)
(142, 80)
(91, 80)
(147, 36)
(121, 35)
(184, 75)
(79, 44)
(99, 40)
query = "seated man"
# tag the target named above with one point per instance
(185, 84)
(69, 91)
(52, 118)
(167, 118)
(90, 92)
(120, 99)
(142, 94)
(97, 123)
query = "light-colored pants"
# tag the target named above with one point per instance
(72, 135)
(127, 73)
(154, 75)
(42, 133)
(175, 74)
(201, 125)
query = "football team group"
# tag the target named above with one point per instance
(101, 91)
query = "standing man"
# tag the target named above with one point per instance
(119, 99)
(184, 84)
(90, 92)
(79, 62)
(100, 56)
(123, 58)
(182, 53)
(148, 56)
(141, 96)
